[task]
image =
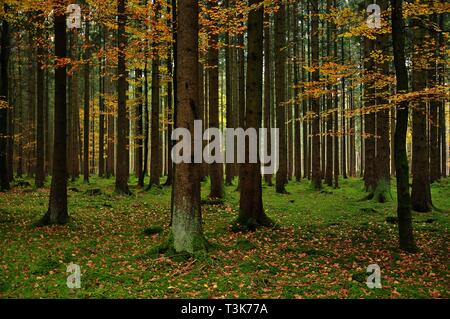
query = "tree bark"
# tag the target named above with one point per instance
(280, 95)
(421, 192)
(216, 169)
(40, 160)
(4, 60)
(155, 154)
(87, 97)
(186, 226)
(57, 211)
(315, 101)
(251, 212)
(401, 160)
(122, 167)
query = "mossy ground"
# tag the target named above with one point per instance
(320, 247)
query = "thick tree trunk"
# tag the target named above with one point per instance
(57, 211)
(382, 180)
(401, 160)
(186, 226)
(251, 212)
(122, 167)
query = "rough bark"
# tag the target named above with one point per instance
(421, 192)
(215, 169)
(40, 160)
(4, 181)
(186, 229)
(315, 102)
(122, 167)
(87, 56)
(401, 160)
(251, 213)
(57, 211)
(155, 154)
(280, 95)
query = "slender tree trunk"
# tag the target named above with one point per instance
(101, 121)
(297, 128)
(229, 167)
(4, 60)
(344, 117)
(155, 154)
(111, 118)
(329, 110)
(280, 88)
(315, 101)
(352, 132)
(40, 160)
(216, 169)
(170, 106)
(267, 88)
(435, 164)
(122, 167)
(57, 211)
(86, 104)
(421, 192)
(241, 80)
(138, 126)
(369, 120)
(401, 160)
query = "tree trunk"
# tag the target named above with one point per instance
(186, 226)
(101, 121)
(57, 211)
(401, 160)
(382, 180)
(170, 94)
(421, 192)
(297, 128)
(155, 154)
(86, 105)
(315, 101)
(267, 88)
(138, 126)
(329, 136)
(229, 167)
(369, 120)
(216, 169)
(122, 167)
(344, 117)
(251, 212)
(40, 160)
(4, 60)
(280, 95)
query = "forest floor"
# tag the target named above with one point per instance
(321, 246)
